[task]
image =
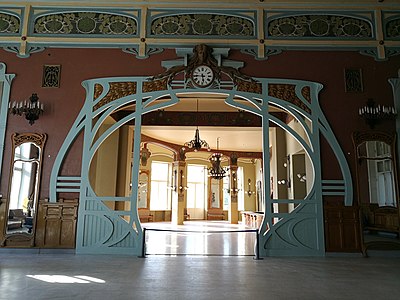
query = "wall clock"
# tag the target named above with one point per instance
(202, 76)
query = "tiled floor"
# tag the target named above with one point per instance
(199, 238)
(28, 275)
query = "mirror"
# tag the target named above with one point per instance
(143, 189)
(375, 158)
(215, 189)
(24, 183)
(378, 198)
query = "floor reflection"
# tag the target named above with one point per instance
(199, 238)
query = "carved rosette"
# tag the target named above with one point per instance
(287, 92)
(37, 138)
(117, 90)
(155, 85)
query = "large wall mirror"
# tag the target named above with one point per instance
(378, 195)
(143, 195)
(24, 183)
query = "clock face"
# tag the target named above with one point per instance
(202, 76)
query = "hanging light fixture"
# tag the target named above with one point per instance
(197, 143)
(30, 109)
(216, 171)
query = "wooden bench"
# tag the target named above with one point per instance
(145, 216)
(215, 215)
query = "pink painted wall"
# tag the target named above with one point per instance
(63, 104)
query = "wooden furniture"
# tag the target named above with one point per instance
(56, 224)
(145, 216)
(377, 218)
(186, 215)
(342, 227)
(215, 214)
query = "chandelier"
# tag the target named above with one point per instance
(31, 110)
(197, 143)
(373, 113)
(216, 171)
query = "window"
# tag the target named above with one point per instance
(196, 193)
(160, 195)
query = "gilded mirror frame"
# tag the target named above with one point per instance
(144, 187)
(20, 238)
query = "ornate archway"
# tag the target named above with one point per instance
(102, 230)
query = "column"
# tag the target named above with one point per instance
(233, 203)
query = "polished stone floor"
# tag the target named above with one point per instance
(223, 274)
(199, 238)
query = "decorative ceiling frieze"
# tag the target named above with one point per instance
(85, 23)
(202, 24)
(258, 28)
(9, 24)
(392, 31)
(317, 26)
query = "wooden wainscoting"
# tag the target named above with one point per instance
(56, 224)
(342, 228)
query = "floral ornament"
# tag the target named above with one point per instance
(393, 28)
(233, 26)
(54, 24)
(202, 24)
(86, 22)
(171, 25)
(9, 24)
(115, 24)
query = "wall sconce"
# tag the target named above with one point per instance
(31, 110)
(286, 164)
(144, 155)
(181, 187)
(373, 113)
(234, 190)
(284, 182)
(249, 192)
(302, 177)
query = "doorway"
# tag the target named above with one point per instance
(196, 192)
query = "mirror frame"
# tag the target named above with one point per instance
(39, 139)
(219, 194)
(390, 139)
(145, 172)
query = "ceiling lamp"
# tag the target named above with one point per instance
(197, 143)
(216, 171)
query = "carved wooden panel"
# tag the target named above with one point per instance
(342, 229)
(56, 224)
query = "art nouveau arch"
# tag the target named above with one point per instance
(101, 230)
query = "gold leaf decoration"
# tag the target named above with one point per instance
(287, 92)
(117, 90)
(155, 85)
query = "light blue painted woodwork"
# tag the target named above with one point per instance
(5, 85)
(260, 30)
(102, 230)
